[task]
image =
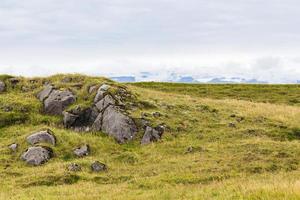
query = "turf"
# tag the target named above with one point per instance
(221, 142)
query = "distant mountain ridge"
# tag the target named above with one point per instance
(177, 78)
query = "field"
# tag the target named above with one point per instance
(221, 142)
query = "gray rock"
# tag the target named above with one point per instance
(152, 135)
(98, 166)
(82, 151)
(45, 136)
(69, 119)
(80, 119)
(2, 86)
(232, 125)
(74, 167)
(92, 89)
(104, 87)
(102, 91)
(105, 102)
(118, 125)
(37, 155)
(66, 80)
(14, 81)
(97, 125)
(58, 101)
(44, 94)
(156, 114)
(13, 147)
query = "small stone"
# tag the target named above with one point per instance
(98, 166)
(232, 125)
(82, 151)
(66, 80)
(74, 167)
(13, 147)
(156, 114)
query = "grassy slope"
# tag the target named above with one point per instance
(259, 159)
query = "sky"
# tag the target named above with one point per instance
(232, 38)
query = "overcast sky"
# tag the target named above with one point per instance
(246, 38)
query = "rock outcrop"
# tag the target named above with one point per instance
(107, 114)
(37, 155)
(2, 86)
(41, 137)
(55, 101)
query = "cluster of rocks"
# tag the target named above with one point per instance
(37, 154)
(107, 113)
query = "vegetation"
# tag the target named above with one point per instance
(221, 142)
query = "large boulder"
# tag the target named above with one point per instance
(37, 155)
(44, 94)
(117, 124)
(58, 101)
(152, 135)
(55, 101)
(2, 86)
(45, 136)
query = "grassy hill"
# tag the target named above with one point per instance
(221, 142)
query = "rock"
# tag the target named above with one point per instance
(2, 86)
(118, 125)
(74, 167)
(37, 155)
(14, 81)
(44, 94)
(98, 166)
(92, 89)
(69, 119)
(58, 101)
(66, 80)
(104, 87)
(232, 125)
(7, 108)
(82, 151)
(145, 123)
(80, 119)
(13, 147)
(25, 89)
(105, 102)
(101, 92)
(42, 136)
(152, 135)
(156, 114)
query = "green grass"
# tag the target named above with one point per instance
(199, 157)
(283, 94)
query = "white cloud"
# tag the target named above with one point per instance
(251, 38)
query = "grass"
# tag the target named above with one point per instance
(199, 157)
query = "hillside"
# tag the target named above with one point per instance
(219, 141)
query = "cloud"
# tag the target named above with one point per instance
(248, 38)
